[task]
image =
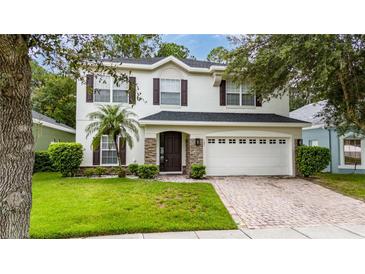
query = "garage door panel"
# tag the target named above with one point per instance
(248, 159)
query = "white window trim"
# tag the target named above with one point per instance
(240, 106)
(342, 154)
(111, 86)
(169, 105)
(101, 153)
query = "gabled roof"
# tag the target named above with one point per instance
(309, 113)
(155, 62)
(49, 122)
(221, 117)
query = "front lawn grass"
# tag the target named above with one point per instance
(74, 207)
(348, 184)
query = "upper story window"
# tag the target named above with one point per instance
(352, 151)
(106, 91)
(170, 90)
(238, 95)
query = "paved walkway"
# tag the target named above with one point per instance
(268, 202)
(314, 232)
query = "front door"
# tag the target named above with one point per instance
(170, 151)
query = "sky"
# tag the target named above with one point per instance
(198, 44)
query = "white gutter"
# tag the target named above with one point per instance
(50, 125)
(222, 124)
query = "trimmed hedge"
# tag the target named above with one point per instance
(147, 171)
(66, 157)
(133, 169)
(311, 160)
(42, 162)
(197, 171)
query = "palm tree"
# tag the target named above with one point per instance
(114, 121)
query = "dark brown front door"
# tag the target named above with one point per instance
(170, 151)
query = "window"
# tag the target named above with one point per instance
(282, 141)
(242, 141)
(102, 89)
(252, 141)
(221, 141)
(313, 143)
(170, 91)
(352, 151)
(120, 92)
(211, 141)
(232, 141)
(238, 95)
(108, 151)
(272, 141)
(262, 141)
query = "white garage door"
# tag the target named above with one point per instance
(247, 156)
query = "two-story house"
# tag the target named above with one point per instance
(189, 113)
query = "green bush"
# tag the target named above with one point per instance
(133, 169)
(147, 171)
(121, 172)
(88, 172)
(197, 171)
(100, 171)
(311, 160)
(66, 157)
(42, 162)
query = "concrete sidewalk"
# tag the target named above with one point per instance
(308, 232)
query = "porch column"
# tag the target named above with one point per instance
(194, 153)
(150, 151)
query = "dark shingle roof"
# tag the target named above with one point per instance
(41, 117)
(220, 117)
(149, 61)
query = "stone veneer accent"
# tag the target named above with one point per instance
(194, 153)
(150, 151)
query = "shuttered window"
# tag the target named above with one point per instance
(170, 90)
(239, 95)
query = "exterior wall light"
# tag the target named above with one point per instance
(197, 141)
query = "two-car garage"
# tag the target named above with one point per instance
(248, 156)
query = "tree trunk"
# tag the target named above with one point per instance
(16, 139)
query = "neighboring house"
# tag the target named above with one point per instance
(347, 151)
(189, 113)
(46, 130)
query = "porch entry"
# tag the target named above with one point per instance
(170, 151)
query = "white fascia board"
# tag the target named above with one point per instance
(164, 61)
(58, 127)
(314, 127)
(221, 124)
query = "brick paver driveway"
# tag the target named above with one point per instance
(264, 202)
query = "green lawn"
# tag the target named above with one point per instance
(74, 207)
(349, 184)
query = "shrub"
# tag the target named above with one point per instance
(43, 162)
(311, 160)
(147, 171)
(133, 169)
(66, 157)
(197, 171)
(121, 172)
(88, 172)
(100, 171)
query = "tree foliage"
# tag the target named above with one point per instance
(328, 67)
(218, 55)
(179, 51)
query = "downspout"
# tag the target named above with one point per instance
(330, 147)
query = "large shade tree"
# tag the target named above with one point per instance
(67, 54)
(179, 51)
(315, 67)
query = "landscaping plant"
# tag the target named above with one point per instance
(197, 171)
(121, 172)
(66, 157)
(89, 172)
(311, 160)
(133, 169)
(43, 162)
(100, 171)
(147, 171)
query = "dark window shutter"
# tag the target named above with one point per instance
(222, 93)
(122, 151)
(96, 156)
(89, 88)
(156, 91)
(132, 90)
(184, 92)
(259, 101)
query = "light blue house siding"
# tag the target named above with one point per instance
(328, 138)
